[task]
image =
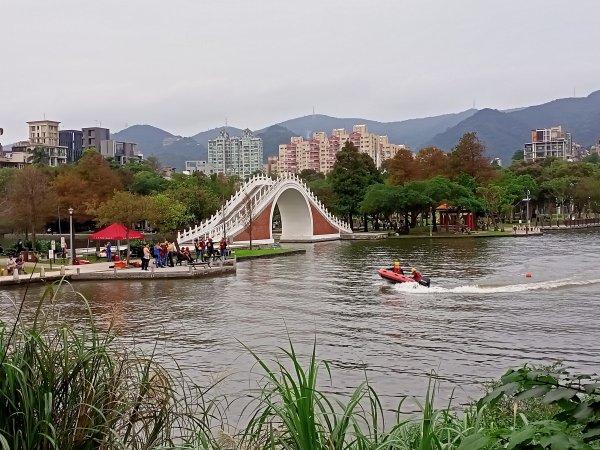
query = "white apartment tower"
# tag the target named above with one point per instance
(43, 134)
(241, 156)
(549, 142)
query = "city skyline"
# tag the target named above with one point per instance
(188, 67)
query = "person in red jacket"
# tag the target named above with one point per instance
(223, 247)
(397, 268)
(416, 274)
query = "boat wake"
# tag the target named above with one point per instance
(494, 289)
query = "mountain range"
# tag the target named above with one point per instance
(502, 132)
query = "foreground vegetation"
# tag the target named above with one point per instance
(71, 386)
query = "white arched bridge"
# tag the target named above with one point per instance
(249, 214)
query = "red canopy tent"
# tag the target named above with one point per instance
(116, 232)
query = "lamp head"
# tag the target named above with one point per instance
(71, 210)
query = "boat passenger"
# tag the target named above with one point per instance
(416, 274)
(397, 268)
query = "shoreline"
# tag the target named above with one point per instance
(103, 271)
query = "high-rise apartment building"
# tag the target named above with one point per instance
(319, 152)
(236, 155)
(44, 132)
(73, 141)
(43, 135)
(549, 142)
(121, 152)
(92, 137)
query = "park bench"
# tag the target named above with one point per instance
(198, 263)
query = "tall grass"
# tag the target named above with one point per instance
(70, 387)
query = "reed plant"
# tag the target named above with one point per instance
(68, 386)
(292, 413)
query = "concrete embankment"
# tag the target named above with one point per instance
(107, 271)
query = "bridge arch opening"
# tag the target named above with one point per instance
(295, 214)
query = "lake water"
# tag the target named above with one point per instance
(480, 317)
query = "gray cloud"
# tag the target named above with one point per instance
(186, 66)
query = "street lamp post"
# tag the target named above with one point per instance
(526, 200)
(72, 259)
(430, 222)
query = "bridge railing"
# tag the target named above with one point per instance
(255, 190)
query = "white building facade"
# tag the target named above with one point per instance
(236, 155)
(549, 142)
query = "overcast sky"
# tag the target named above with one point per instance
(188, 65)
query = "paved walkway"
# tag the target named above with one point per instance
(104, 271)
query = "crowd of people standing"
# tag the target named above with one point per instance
(166, 255)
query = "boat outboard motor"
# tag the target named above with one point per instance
(424, 281)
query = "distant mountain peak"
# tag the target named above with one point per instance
(502, 131)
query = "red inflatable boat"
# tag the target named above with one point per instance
(389, 274)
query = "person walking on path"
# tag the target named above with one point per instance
(108, 252)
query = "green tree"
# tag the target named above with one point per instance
(39, 156)
(146, 183)
(594, 158)
(586, 195)
(440, 190)
(126, 208)
(168, 215)
(323, 189)
(380, 199)
(197, 193)
(518, 155)
(352, 173)
(412, 201)
(153, 163)
(309, 175)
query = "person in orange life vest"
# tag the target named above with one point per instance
(416, 274)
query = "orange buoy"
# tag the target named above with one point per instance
(528, 275)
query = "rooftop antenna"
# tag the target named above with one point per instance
(313, 110)
(574, 91)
